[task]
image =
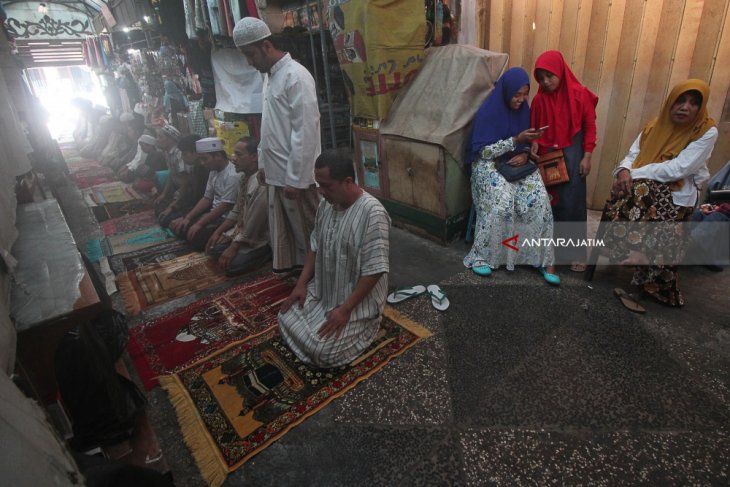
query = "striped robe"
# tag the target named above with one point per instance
(348, 244)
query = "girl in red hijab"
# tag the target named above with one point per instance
(568, 109)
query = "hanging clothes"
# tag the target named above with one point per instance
(227, 16)
(214, 18)
(189, 8)
(222, 17)
(200, 7)
(85, 51)
(235, 8)
(97, 53)
(106, 50)
(252, 10)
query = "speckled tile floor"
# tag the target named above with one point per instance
(521, 384)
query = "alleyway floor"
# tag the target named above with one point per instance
(520, 384)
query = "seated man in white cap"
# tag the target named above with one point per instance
(177, 195)
(131, 127)
(334, 311)
(290, 142)
(241, 242)
(141, 169)
(221, 192)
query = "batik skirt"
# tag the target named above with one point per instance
(651, 228)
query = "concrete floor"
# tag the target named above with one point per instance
(521, 384)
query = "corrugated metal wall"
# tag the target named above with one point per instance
(629, 52)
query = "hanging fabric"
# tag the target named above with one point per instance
(235, 6)
(214, 19)
(106, 50)
(227, 16)
(189, 8)
(85, 51)
(97, 53)
(222, 17)
(252, 10)
(200, 6)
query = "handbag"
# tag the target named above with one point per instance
(553, 169)
(514, 173)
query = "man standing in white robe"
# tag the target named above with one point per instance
(290, 142)
(334, 312)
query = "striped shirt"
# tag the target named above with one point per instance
(349, 245)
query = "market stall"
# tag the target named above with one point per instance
(414, 162)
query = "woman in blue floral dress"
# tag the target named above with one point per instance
(501, 134)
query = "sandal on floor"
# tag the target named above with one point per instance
(629, 302)
(153, 458)
(403, 293)
(438, 298)
(577, 267)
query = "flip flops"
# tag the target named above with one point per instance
(403, 293)
(438, 298)
(629, 302)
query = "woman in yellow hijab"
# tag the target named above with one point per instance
(658, 181)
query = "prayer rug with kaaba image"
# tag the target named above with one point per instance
(130, 261)
(78, 163)
(186, 335)
(115, 210)
(111, 192)
(129, 223)
(238, 401)
(128, 242)
(92, 176)
(164, 281)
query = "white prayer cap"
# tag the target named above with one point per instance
(209, 144)
(249, 30)
(147, 139)
(126, 117)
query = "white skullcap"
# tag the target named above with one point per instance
(147, 139)
(171, 132)
(209, 144)
(249, 30)
(126, 117)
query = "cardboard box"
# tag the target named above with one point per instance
(230, 132)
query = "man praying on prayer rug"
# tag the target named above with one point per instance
(185, 182)
(198, 224)
(334, 312)
(141, 170)
(241, 242)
